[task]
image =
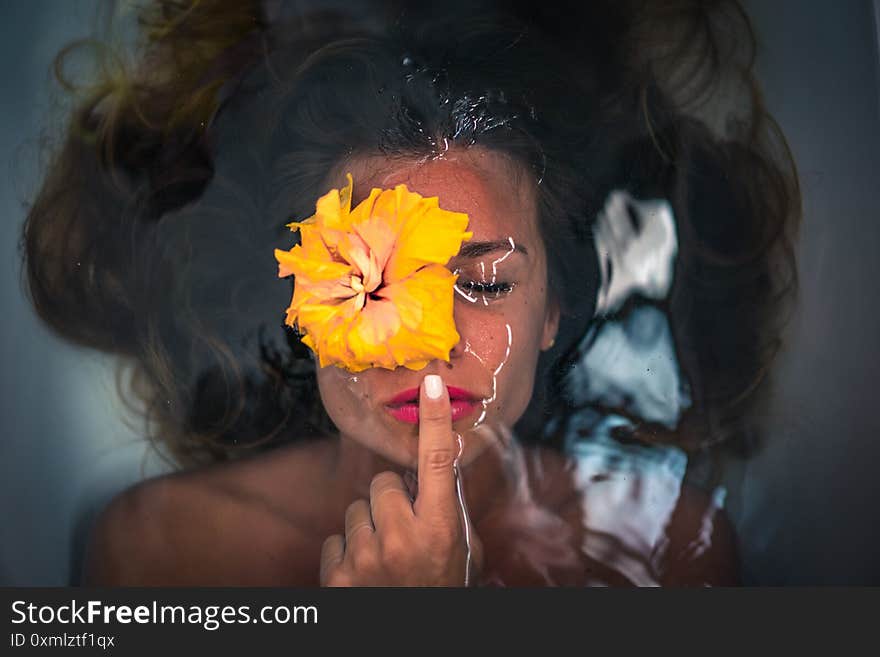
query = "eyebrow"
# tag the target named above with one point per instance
(477, 249)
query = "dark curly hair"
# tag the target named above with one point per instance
(151, 237)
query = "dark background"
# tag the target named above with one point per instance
(804, 508)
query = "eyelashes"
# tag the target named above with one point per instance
(474, 290)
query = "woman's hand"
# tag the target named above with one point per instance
(393, 541)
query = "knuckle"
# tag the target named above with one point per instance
(331, 560)
(354, 509)
(441, 458)
(357, 534)
(330, 545)
(385, 480)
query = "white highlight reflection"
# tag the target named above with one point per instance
(636, 244)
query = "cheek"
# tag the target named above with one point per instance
(492, 331)
(334, 397)
(486, 336)
(504, 347)
(344, 395)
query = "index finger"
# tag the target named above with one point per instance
(438, 449)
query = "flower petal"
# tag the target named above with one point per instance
(425, 302)
(312, 270)
(427, 236)
(333, 209)
(370, 332)
(379, 237)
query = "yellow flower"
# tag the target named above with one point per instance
(371, 284)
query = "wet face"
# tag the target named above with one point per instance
(502, 309)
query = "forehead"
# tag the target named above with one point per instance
(496, 194)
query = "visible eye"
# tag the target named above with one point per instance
(477, 289)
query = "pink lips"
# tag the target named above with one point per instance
(405, 406)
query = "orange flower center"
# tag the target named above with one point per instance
(368, 273)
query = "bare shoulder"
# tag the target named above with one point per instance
(224, 524)
(125, 544)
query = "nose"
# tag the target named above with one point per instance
(465, 323)
(438, 366)
(456, 353)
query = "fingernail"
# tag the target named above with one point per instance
(433, 386)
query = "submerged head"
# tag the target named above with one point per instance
(504, 311)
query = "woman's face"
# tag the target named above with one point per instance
(502, 309)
